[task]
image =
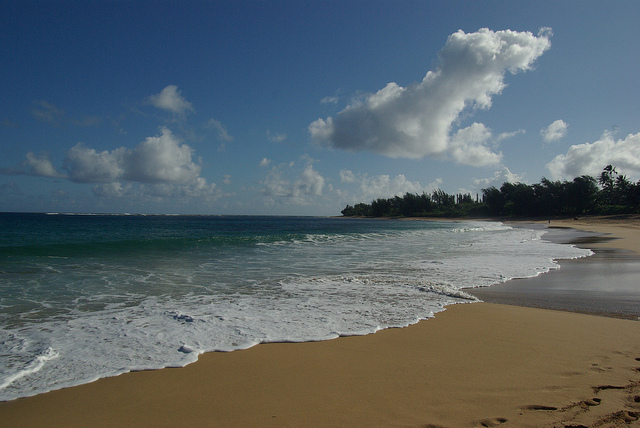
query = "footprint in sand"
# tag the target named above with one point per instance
(599, 368)
(491, 422)
(592, 402)
(539, 407)
(625, 416)
(605, 387)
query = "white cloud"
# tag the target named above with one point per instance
(469, 146)
(159, 159)
(40, 166)
(383, 186)
(162, 165)
(36, 165)
(265, 162)
(498, 178)
(591, 158)
(310, 182)
(171, 99)
(86, 165)
(329, 100)
(347, 176)
(287, 185)
(276, 138)
(416, 121)
(506, 135)
(223, 134)
(555, 131)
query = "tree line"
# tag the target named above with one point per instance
(609, 193)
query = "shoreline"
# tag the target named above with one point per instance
(585, 284)
(519, 366)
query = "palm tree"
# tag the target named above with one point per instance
(607, 183)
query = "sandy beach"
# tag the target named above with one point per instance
(480, 364)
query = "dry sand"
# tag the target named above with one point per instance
(477, 364)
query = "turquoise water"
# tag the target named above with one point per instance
(89, 296)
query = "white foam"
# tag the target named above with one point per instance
(31, 368)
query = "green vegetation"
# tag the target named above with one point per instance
(610, 193)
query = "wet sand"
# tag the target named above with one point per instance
(480, 364)
(606, 283)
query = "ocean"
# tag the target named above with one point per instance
(89, 296)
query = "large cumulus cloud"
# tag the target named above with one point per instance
(416, 121)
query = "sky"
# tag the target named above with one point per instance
(302, 107)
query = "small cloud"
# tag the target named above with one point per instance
(47, 112)
(35, 165)
(508, 135)
(265, 162)
(498, 178)
(276, 138)
(223, 134)
(329, 100)
(283, 183)
(41, 166)
(347, 176)
(171, 99)
(555, 131)
(384, 186)
(227, 179)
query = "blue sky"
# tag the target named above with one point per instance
(292, 107)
